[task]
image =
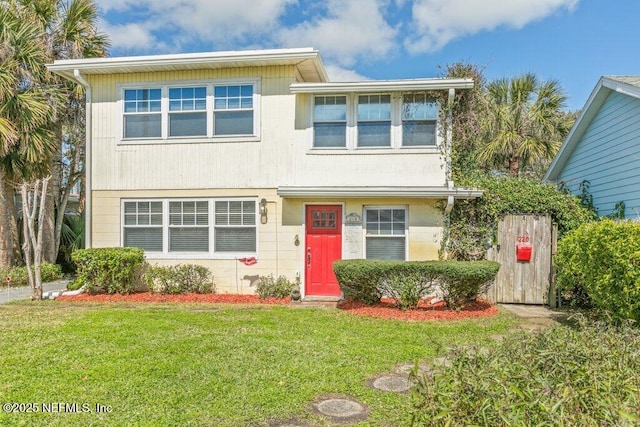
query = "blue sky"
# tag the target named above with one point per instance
(572, 41)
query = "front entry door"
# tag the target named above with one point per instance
(323, 240)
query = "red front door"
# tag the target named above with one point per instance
(323, 246)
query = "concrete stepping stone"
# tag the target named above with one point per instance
(394, 383)
(406, 368)
(340, 408)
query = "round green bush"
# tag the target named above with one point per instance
(603, 259)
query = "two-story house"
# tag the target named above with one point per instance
(254, 163)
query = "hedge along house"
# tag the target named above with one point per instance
(253, 163)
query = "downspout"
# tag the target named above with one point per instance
(87, 160)
(448, 144)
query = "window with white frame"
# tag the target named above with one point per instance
(235, 226)
(176, 226)
(142, 113)
(188, 111)
(330, 121)
(374, 121)
(419, 120)
(386, 233)
(189, 226)
(233, 110)
(142, 226)
(205, 110)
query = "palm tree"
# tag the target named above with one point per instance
(25, 116)
(524, 123)
(70, 32)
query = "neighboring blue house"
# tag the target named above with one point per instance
(603, 147)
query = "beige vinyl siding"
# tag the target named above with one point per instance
(277, 252)
(199, 164)
(280, 157)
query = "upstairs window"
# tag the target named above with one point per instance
(142, 113)
(419, 120)
(188, 111)
(374, 121)
(330, 121)
(233, 110)
(196, 111)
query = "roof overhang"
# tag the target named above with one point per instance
(307, 60)
(382, 85)
(361, 192)
(604, 87)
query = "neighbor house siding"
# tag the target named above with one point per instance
(608, 156)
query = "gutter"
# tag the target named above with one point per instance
(87, 161)
(448, 143)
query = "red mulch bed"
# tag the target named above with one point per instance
(188, 298)
(425, 311)
(385, 309)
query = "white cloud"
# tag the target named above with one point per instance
(338, 74)
(352, 30)
(129, 36)
(437, 22)
(225, 23)
(345, 31)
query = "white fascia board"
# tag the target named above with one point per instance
(382, 86)
(621, 87)
(361, 192)
(129, 64)
(590, 109)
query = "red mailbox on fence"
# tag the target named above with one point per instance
(523, 251)
(524, 248)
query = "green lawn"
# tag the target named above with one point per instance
(208, 365)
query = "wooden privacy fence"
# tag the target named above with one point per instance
(521, 281)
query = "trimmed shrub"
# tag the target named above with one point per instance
(110, 270)
(179, 279)
(270, 287)
(602, 260)
(463, 282)
(407, 282)
(358, 279)
(19, 276)
(588, 375)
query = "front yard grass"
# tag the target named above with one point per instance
(206, 365)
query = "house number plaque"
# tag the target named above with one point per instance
(353, 219)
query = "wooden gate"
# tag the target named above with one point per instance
(523, 282)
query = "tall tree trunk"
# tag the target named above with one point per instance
(49, 250)
(6, 237)
(34, 198)
(12, 212)
(49, 246)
